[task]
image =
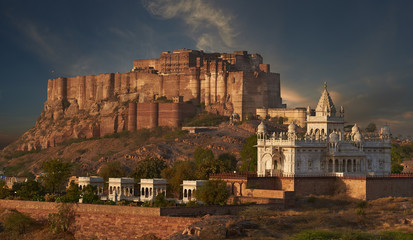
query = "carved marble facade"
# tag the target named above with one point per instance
(325, 149)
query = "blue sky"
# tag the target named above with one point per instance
(362, 49)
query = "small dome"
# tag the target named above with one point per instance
(385, 131)
(261, 128)
(355, 128)
(357, 137)
(291, 128)
(333, 138)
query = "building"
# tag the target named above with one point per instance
(289, 115)
(94, 181)
(121, 189)
(150, 188)
(10, 181)
(407, 166)
(188, 189)
(325, 148)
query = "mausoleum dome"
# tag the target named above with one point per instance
(291, 128)
(333, 138)
(261, 128)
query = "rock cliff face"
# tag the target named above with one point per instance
(95, 105)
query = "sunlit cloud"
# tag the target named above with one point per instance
(408, 115)
(210, 27)
(294, 99)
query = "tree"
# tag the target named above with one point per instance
(55, 173)
(112, 170)
(72, 194)
(397, 153)
(214, 192)
(182, 170)
(89, 194)
(371, 127)
(29, 190)
(4, 190)
(149, 168)
(249, 154)
(229, 161)
(210, 166)
(202, 155)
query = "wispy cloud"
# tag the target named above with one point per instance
(210, 27)
(294, 98)
(408, 115)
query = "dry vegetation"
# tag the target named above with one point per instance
(17, 226)
(324, 217)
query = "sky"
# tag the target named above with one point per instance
(362, 49)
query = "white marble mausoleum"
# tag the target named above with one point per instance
(325, 149)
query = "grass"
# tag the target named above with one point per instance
(335, 217)
(17, 154)
(205, 120)
(351, 235)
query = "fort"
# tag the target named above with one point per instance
(96, 105)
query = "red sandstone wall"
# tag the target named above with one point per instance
(389, 186)
(355, 188)
(132, 115)
(169, 115)
(108, 222)
(314, 185)
(147, 115)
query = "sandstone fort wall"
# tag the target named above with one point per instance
(96, 105)
(365, 188)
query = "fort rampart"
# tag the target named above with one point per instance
(96, 105)
(360, 187)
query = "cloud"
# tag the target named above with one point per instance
(408, 115)
(291, 97)
(211, 28)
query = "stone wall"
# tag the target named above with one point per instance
(221, 79)
(149, 115)
(108, 222)
(297, 115)
(95, 105)
(389, 187)
(359, 187)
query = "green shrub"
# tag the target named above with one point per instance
(4, 190)
(362, 204)
(393, 235)
(205, 120)
(81, 151)
(192, 204)
(350, 235)
(360, 212)
(18, 223)
(160, 201)
(213, 192)
(316, 235)
(311, 199)
(63, 219)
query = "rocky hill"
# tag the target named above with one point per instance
(88, 155)
(97, 105)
